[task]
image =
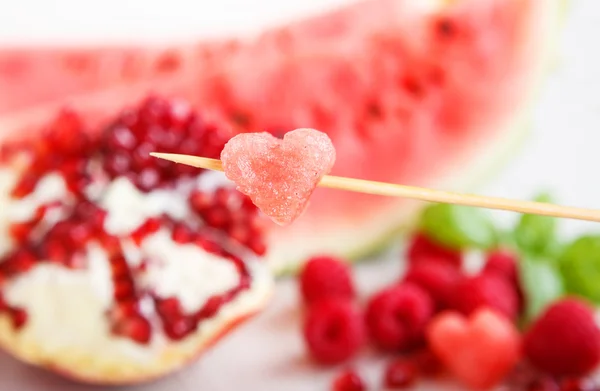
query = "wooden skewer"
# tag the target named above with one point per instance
(417, 193)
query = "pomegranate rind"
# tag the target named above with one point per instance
(84, 365)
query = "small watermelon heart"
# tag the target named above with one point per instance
(279, 175)
(479, 350)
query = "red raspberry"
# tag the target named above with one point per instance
(400, 374)
(437, 278)
(396, 317)
(326, 277)
(485, 290)
(348, 381)
(423, 247)
(333, 330)
(564, 340)
(504, 264)
(542, 384)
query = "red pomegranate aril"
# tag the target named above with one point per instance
(20, 232)
(239, 233)
(179, 328)
(257, 245)
(135, 327)
(110, 244)
(348, 381)
(148, 179)
(224, 196)
(25, 186)
(168, 308)
(20, 261)
(217, 217)
(400, 374)
(54, 250)
(79, 235)
(149, 227)
(65, 134)
(124, 289)
(210, 308)
(121, 138)
(123, 310)
(18, 317)
(182, 234)
(200, 201)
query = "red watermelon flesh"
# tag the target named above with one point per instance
(407, 94)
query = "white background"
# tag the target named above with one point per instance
(562, 155)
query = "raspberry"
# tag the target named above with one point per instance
(504, 264)
(485, 290)
(348, 381)
(396, 317)
(326, 277)
(542, 384)
(400, 374)
(564, 340)
(333, 331)
(423, 247)
(436, 278)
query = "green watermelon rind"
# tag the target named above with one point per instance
(512, 144)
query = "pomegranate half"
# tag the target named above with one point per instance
(117, 268)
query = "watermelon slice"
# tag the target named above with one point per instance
(414, 92)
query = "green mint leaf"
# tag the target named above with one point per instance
(536, 234)
(541, 283)
(458, 226)
(580, 267)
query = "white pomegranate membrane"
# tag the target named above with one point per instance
(108, 252)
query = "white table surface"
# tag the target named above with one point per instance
(267, 353)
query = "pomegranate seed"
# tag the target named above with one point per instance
(124, 289)
(124, 309)
(543, 384)
(182, 234)
(135, 327)
(19, 262)
(224, 196)
(78, 235)
(400, 374)
(54, 250)
(217, 217)
(149, 227)
(65, 135)
(210, 308)
(119, 267)
(179, 328)
(20, 232)
(19, 317)
(200, 201)
(239, 233)
(257, 245)
(169, 307)
(348, 381)
(25, 186)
